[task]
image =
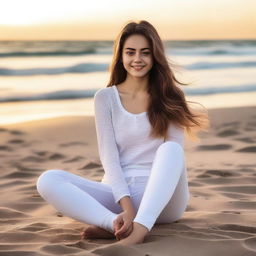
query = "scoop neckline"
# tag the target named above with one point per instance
(121, 105)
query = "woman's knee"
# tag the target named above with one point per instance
(170, 145)
(171, 148)
(46, 180)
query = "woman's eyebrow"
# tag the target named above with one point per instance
(133, 49)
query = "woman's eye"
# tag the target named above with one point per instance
(131, 53)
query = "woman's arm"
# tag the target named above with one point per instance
(123, 223)
(175, 134)
(108, 151)
(126, 204)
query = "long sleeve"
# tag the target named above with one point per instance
(108, 151)
(175, 134)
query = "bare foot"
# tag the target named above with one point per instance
(136, 237)
(95, 232)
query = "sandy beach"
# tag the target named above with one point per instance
(219, 220)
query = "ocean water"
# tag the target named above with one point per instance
(53, 71)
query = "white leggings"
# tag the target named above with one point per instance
(161, 197)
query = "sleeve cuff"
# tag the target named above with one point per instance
(120, 196)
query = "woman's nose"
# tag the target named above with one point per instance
(137, 57)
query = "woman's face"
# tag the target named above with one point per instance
(136, 56)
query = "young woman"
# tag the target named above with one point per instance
(140, 117)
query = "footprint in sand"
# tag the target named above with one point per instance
(201, 194)
(190, 209)
(215, 147)
(73, 143)
(220, 173)
(22, 168)
(90, 165)
(232, 212)
(17, 141)
(251, 149)
(32, 159)
(43, 156)
(194, 184)
(203, 176)
(41, 153)
(61, 238)
(38, 226)
(16, 132)
(227, 133)
(248, 189)
(246, 139)
(19, 175)
(74, 159)
(239, 228)
(56, 156)
(5, 148)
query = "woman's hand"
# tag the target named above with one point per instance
(123, 224)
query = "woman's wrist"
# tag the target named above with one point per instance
(130, 211)
(126, 204)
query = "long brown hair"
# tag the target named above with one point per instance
(167, 101)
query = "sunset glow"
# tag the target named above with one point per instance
(100, 19)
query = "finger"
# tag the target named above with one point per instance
(118, 226)
(119, 232)
(126, 233)
(117, 219)
(122, 230)
(118, 235)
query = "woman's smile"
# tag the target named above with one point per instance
(138, 68)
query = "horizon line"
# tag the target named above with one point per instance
(111, 40)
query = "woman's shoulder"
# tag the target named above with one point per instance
(104, 97)
(103, 93)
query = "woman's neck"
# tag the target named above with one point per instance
(135, 85)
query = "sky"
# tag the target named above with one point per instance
(103, 19)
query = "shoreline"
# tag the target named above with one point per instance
(19, 112)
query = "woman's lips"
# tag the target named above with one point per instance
(138, 68)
